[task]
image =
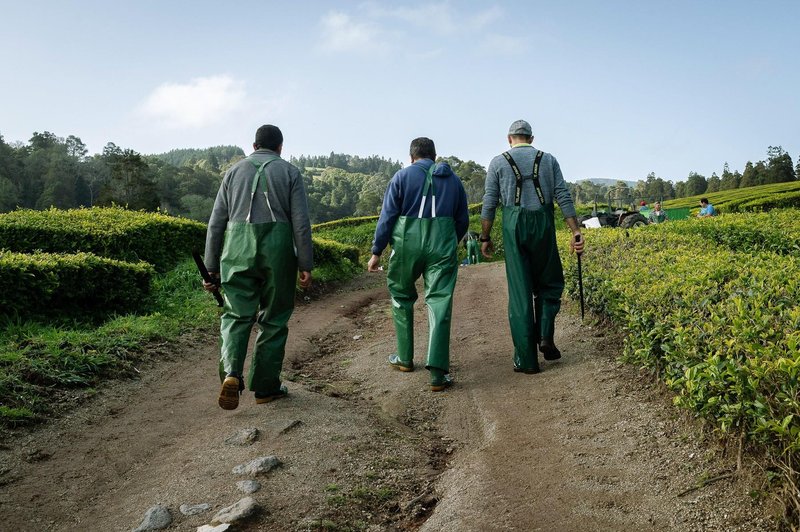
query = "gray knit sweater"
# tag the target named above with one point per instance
(501, 183)
(287, 196)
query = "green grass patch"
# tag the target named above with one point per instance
(40, 361)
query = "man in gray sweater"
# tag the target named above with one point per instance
(526, 181)
(259, 236)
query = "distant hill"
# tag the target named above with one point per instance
(215, 158)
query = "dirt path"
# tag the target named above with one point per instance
(583, 445)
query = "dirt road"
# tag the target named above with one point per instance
(585, 445)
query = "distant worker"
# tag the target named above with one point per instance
(657, 216)
(706, 209)
(526, 181)
(473, 255)
(260, 218)
(424, 217)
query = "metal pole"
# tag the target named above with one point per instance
(580, 277)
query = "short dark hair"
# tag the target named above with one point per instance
(704, 200)
(525, 138)
(422, 148)
(268, 137)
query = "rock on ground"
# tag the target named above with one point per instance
(236, 512)
(264, 464)
(194, 509)
(155, 518)
(243, 437)
(219, 528)
(248, 486)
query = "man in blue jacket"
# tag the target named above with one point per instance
(424, 217)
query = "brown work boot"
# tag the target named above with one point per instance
(229, 393)
(399, 365)
(269, 397)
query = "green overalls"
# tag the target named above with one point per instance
(258, 272)
(427, 247)
(473, 255)
(533, 268)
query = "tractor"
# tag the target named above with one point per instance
(618, 216)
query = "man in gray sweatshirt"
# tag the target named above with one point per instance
(259, 237)
(526, 181)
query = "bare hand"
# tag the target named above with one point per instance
(212, 287)
(305, 279)
(374, 264)
(487, 249)
(576, 243)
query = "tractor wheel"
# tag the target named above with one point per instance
(633, 220)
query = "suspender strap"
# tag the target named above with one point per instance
(260, 172)
(537, 185)
(428, 186)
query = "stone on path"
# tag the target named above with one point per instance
(155, 518)
(289, 426)
(219, 528)
(248, 486)
(243, 437)
(264, 464)
(194, 509)
(236, 512)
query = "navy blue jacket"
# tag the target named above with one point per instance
(404, 194)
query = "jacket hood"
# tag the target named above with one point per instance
(443, 170)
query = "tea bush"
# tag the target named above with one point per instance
(111, 232)
(80, 284)
(712, 306)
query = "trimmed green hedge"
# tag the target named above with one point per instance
(775, 201)
(715, 312)
(344, 222)
(82, 283)
(328, 251)
(777, 232)
(111, 232)
(334, 261)
(759, 198)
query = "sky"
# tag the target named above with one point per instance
(613, 89)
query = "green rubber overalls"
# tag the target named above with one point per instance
(473, 254)
(533, 268)
(426, 247)
(258, 270)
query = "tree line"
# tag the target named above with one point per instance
(777, 168)
(51, 171)
(55, 171)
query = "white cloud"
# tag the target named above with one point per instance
(439, 17)
(199, 103)
(341, 33)
(376, 28)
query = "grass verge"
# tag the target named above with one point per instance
(43, 365)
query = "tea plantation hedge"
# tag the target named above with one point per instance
(80, 285)
(334, 261)
(111, 232)
(713, 306)
(750, 199)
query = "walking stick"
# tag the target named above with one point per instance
(580, 275)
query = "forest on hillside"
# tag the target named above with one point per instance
(55, 171)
